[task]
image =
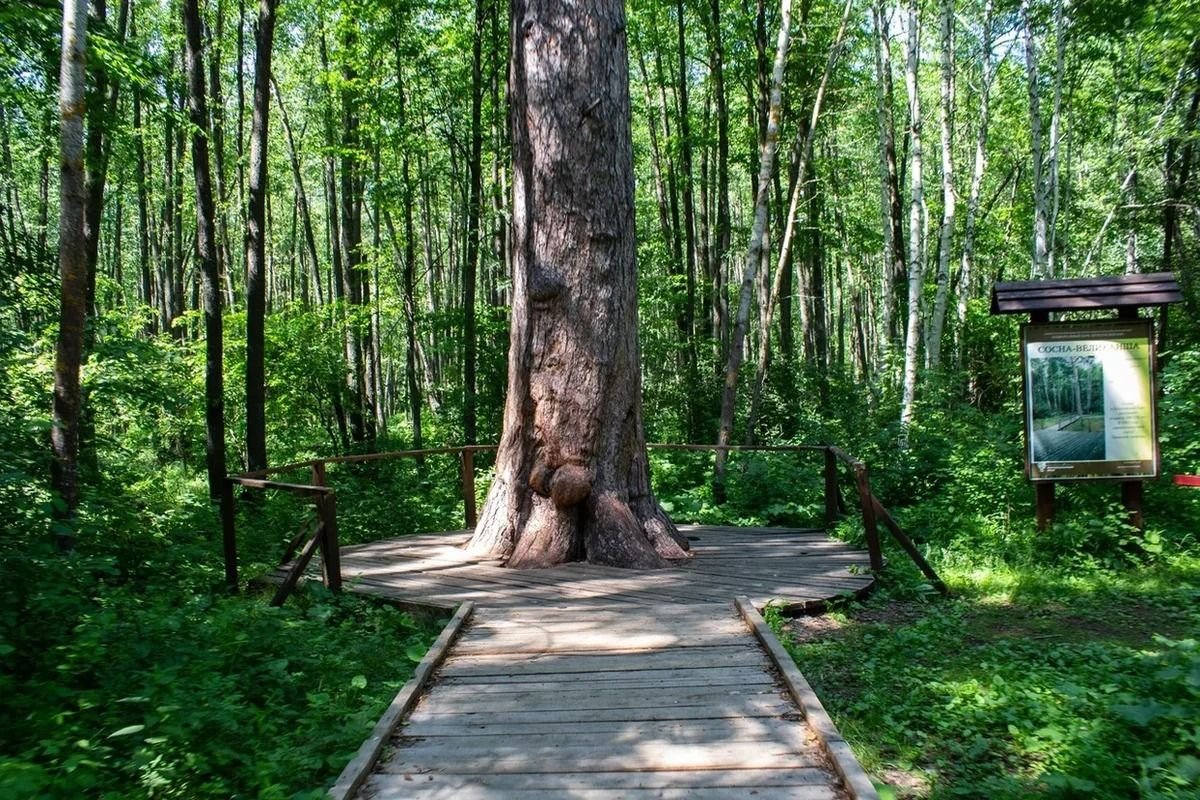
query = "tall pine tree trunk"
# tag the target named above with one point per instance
(572, 477)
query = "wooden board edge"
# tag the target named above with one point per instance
(820, 605)
(352, 777)
(858, 785)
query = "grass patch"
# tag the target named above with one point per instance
(1027, 684)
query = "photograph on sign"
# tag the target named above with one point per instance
(1089, 400)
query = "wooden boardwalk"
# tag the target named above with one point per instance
(599, 684)
(785, 566)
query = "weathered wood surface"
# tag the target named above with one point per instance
(784, 566)
(599, 683)
(1110, 291)
(604, 702)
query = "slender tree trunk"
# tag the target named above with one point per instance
(178, 265)
(474, 202)
(572, 476)
(966, 277)
(310, 241)
(916, 224)
(351, 230)
(933, 351)
(1052, 159)
(224, 250)
(206, 254)
(718, 254)
(100, 111)
(687, 185)
(1040, 262)
(804, 150)
(72, 262)
(754, 252)
(893, 269)
(1177, 168)
(256, 419)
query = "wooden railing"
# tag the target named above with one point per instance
(321, 533)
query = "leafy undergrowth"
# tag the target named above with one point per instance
(1029, 683)
(195, 697)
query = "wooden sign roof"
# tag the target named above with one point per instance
(1086, 294)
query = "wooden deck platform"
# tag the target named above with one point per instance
(594, 683)
(661, 701)
(792, 567)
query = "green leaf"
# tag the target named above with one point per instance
(359, 681)
(128, 729)
(414, 652)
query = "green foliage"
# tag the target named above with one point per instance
(1028, 685)
(125, 671)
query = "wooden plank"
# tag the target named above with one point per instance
(739, 707)
(739, 655)
(604, 758)
(779, 777)
(693, 676)
(855, 778)
(418, 789)
(729, 726)
(360, 766)
(615, 624)
(766, 729)
(1103, 280)
(580, 702)
(589, 642)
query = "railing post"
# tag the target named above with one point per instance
(870, 523)
(331, 556)
(229, 534)
(468, 485)
(318, 473)
(831, 488)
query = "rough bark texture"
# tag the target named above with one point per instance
(72, 261)
(256, 298)
(206, 254)
(572, 479)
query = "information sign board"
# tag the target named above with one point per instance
(1089, 400)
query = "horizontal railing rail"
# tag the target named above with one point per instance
(322, 533)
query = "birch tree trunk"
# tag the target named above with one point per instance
(1040, 263)
(572, 477)
(916, 222)
(978, 168)
(754, 253)
(933, 347)
(72, 263)
(1052, 160)
(804, 148)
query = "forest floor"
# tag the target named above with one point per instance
(1024, 684)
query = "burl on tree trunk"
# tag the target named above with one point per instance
(572, 478)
